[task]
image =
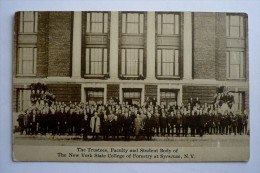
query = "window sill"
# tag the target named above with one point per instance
(241, 38)
(167, 77)
(136, 77)
(96, 76)
(25, 75)
(236, 78)
(27, 33)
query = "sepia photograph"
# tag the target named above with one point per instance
(130, 86)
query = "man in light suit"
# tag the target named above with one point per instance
(95, 125)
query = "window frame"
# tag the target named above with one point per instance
(168, 99)
(102, 62)
(174, 24)
(126, 62)
(229, 50)
(129, 90)
(242, 96)
(173, 62)
(126, 23)
(87, 90)
(228, 62)
(137, 45)
(228, 15)
(94, 45)
(21, 23)
(20, 61)
(169, 47)
(26, 43)
(20, 99)
(103, 23)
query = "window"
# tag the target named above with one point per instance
(239, 99)
(132, 23)
(167, 62)
(168, 45)
(132, 96)
(168, 96)
(96, 61)
(132, 58)
(27, 60)
(26, 46)
(235, 67)
(168, 23)
(236, 49)
(97, 22)
(235, 26)
(24, 101)
(28, 22)
(95, 95)
(132, 62)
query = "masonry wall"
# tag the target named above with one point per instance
(42, 44)
(204, 45)
(204, 93)
(60, 43)
(66, 92)
(221, 46)
(14, 65)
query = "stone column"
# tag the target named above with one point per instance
(150, 66)
(187, 46)
(114, 21)
(76, 44)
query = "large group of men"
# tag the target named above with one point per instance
(114, 121)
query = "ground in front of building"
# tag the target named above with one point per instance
(205, 141)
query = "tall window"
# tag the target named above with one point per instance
(24, 101)
(168, 96)
(235, 26)
(132, 56)
(235, 55)
(97, 43)
(27, 48)
(168, 24)
(95, 95)
(27, 60)
(168, 45)
(132, 23)
(235, 61)
(168, 62)
(97, 22)
(28, 22)
(96, 61)
(132, 62)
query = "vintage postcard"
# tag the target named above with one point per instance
(130, 86)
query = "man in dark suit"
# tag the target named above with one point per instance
(20, 122)
(115, 128)
(233, 122)
(178, 123)
(185, 122)
(127, 126)
(148, 126)
(86, 127)
(163, 123)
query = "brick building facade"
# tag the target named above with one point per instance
(95, 56)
